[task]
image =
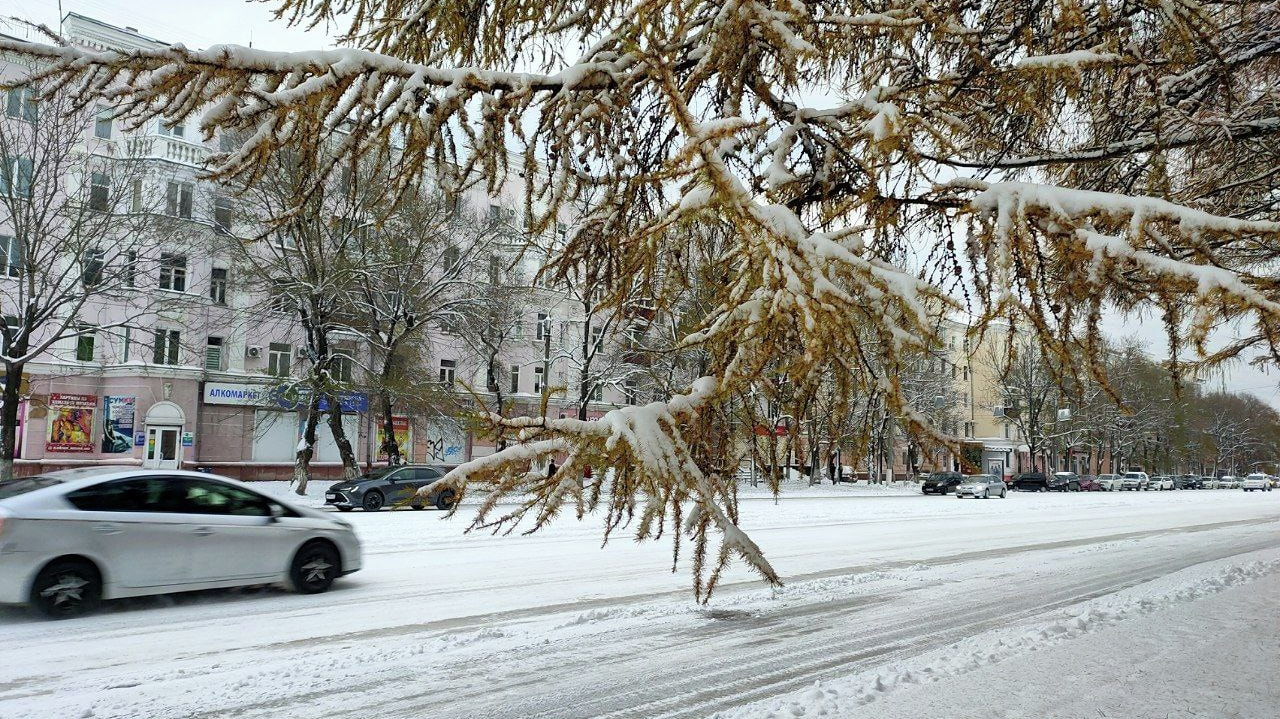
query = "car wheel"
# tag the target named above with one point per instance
(417, 506)
(67, 589)
(344, 509)
(985, 494)
(1003, 493)
(444, 501)
(314, 568)
(372, 501)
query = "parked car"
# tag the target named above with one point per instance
(1136, 481)
(1109, 482)
(1256, 481)
(1229, 482)
(92, 534)
(1187, 481)
(981, 486)
(941, 483)
(1162, 483)
(1064, 482)
(1039, 482)
(1207, 482)
(1089, 483)
(390, 486)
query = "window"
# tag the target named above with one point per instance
(99, 191)
(222, 214)
(281, 301)
(102, 122)
(173, 272)
(84, 344)
(968, 429)
(167, 130)
(178, 199)
(537, 380)
(213, 354)
(10, 256)
(226, 143)
(166, 347)
(597, 393)
(92, 263)
(543, 329)
(130, 268)
(206, 496)
(15, 176)
(966, 373)
(562, 231)
(953, 371)
(142, 494)
(515, 379)
(279, 359)
(343, 367)
(597, 337)
(517, 328)
(448, 370)
(1006, 431)
(495, 270)
(218, 286)
(135, 204)
(629, 392)
(22, 104)
(452, 256)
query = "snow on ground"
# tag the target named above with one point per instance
(1103, 604)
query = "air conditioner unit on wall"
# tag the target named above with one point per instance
(253, 351)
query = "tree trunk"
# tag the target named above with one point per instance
(306, 448)
(389, 445)
(350, 469)
(9, 419)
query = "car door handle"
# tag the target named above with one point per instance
(202, 531)
(107, 529)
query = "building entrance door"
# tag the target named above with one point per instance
(164, 448)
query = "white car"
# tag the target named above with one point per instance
(1136, 481)
(70, 539)
(1109, 482)
(1162, 483)
(1208, 482)
(1229, 482)
(1256, 481)
(981, 486)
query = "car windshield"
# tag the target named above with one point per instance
(14, 487)
(977, 478)
(380, 472)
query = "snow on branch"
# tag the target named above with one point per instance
(653, 470)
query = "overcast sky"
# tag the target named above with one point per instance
(209, 22)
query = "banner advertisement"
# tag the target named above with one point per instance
(117, 424)
(71, 423)
(404, 438)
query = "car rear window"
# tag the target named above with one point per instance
(14, 487)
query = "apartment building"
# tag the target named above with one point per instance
(183, 370)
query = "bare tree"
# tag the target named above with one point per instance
(75, 236)
(418, 278)
(307, 259)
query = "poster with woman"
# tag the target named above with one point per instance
(71, 423)
(117, 424)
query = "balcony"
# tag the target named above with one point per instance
(172, 149)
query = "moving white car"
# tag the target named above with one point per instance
(1257, 481)
(72, 538)
(981, 486)
(1136, 481)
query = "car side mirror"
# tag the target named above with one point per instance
(276, 513)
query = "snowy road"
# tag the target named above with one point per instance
(446, 625)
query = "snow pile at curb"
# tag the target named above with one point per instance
(839, 697)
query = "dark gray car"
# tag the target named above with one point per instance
(390, 486)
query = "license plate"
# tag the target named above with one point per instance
(330, 495)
